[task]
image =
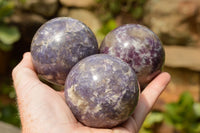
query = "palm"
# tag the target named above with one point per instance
(43, 109)
(59, 103)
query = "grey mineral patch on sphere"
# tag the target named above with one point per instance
(102, 91)
(58, 45)
(139, 47)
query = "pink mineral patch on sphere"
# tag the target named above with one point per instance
(139, 47)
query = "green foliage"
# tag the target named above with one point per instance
(6, 8)
(108, 26)
(114, 7)
(109, 10)
(22, 1)
(7, 90)
(184, 115)
(137, 12)
(8, 34)
(8, 109)
(9, 114)
(152, 119)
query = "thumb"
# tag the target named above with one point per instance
(38, 103)
(24, 76)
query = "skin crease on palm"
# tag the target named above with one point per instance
(43, 110)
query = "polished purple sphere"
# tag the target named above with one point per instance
(101, 91)
(139, 47)
(58, 45)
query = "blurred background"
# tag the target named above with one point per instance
(176, 22)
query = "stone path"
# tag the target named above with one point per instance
(184, 57)
(7, 128)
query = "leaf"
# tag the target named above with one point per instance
(154, 117)
(5, 47)
(186, 99)
(196, 107)
(8, 35)
(115, 7)
(197, 128)
(22, 1)
(108, 26)
(172, 113)
(111, 24)
(142, 2)
(143, 130)
(183, 115)
(137, 12)
(151, 119)
(6, 8)
(9, 114)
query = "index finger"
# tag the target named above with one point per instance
(147, 99)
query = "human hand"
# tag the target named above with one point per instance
(43, 110)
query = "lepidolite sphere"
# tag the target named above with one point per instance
(101, 91)
(58, 45)
(139, 47)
